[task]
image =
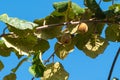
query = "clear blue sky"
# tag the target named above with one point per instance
(80, 66)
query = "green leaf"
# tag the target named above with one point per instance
(49, 32)
(63, 6)
(62, 50)
(107, 0)
(113, 14)
(53, 18)
(95, 8)
(1, 65)
(10, 76)
(82, 39)
(41, 45)
(4, 50)
(113, 32)
(17, 23)
(24, 45)
(37, 69)
(55, 71)
(60, 6)
(87, 15)
(115, 8)
(95, 46)
(77, 9)
(20, 33)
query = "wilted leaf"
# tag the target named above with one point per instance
(4, 50)
(95, 47)
(10, 76)
(37, 68)
(17, 23)
(1, 65)
(113, 32)
(55, 71)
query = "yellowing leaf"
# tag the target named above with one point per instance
(62, 50)
(10, 76)
(93, 49)
(23, 45)
(55, 71)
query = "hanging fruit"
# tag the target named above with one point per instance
(82, 27)
(66, 38)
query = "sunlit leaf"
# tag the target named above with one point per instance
(95, 47)
(17, 23)
(60, 6)
(63, 6)
(63, 50)
(50, 32)
(10, 76)
(23, 45)
(37, 68)
(115, 8)
(55, 71)
(1, 65)
(113, 14)
(113, 32)
(4, 50)
(77, 9)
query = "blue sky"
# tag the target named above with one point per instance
(79, 66)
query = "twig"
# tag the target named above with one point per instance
(19, 64)
(49, 58)
(100, 2)
(2, 35)
(75, 22)
(4, 30)
(33, 78)
(113, 64)
(112, 2)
